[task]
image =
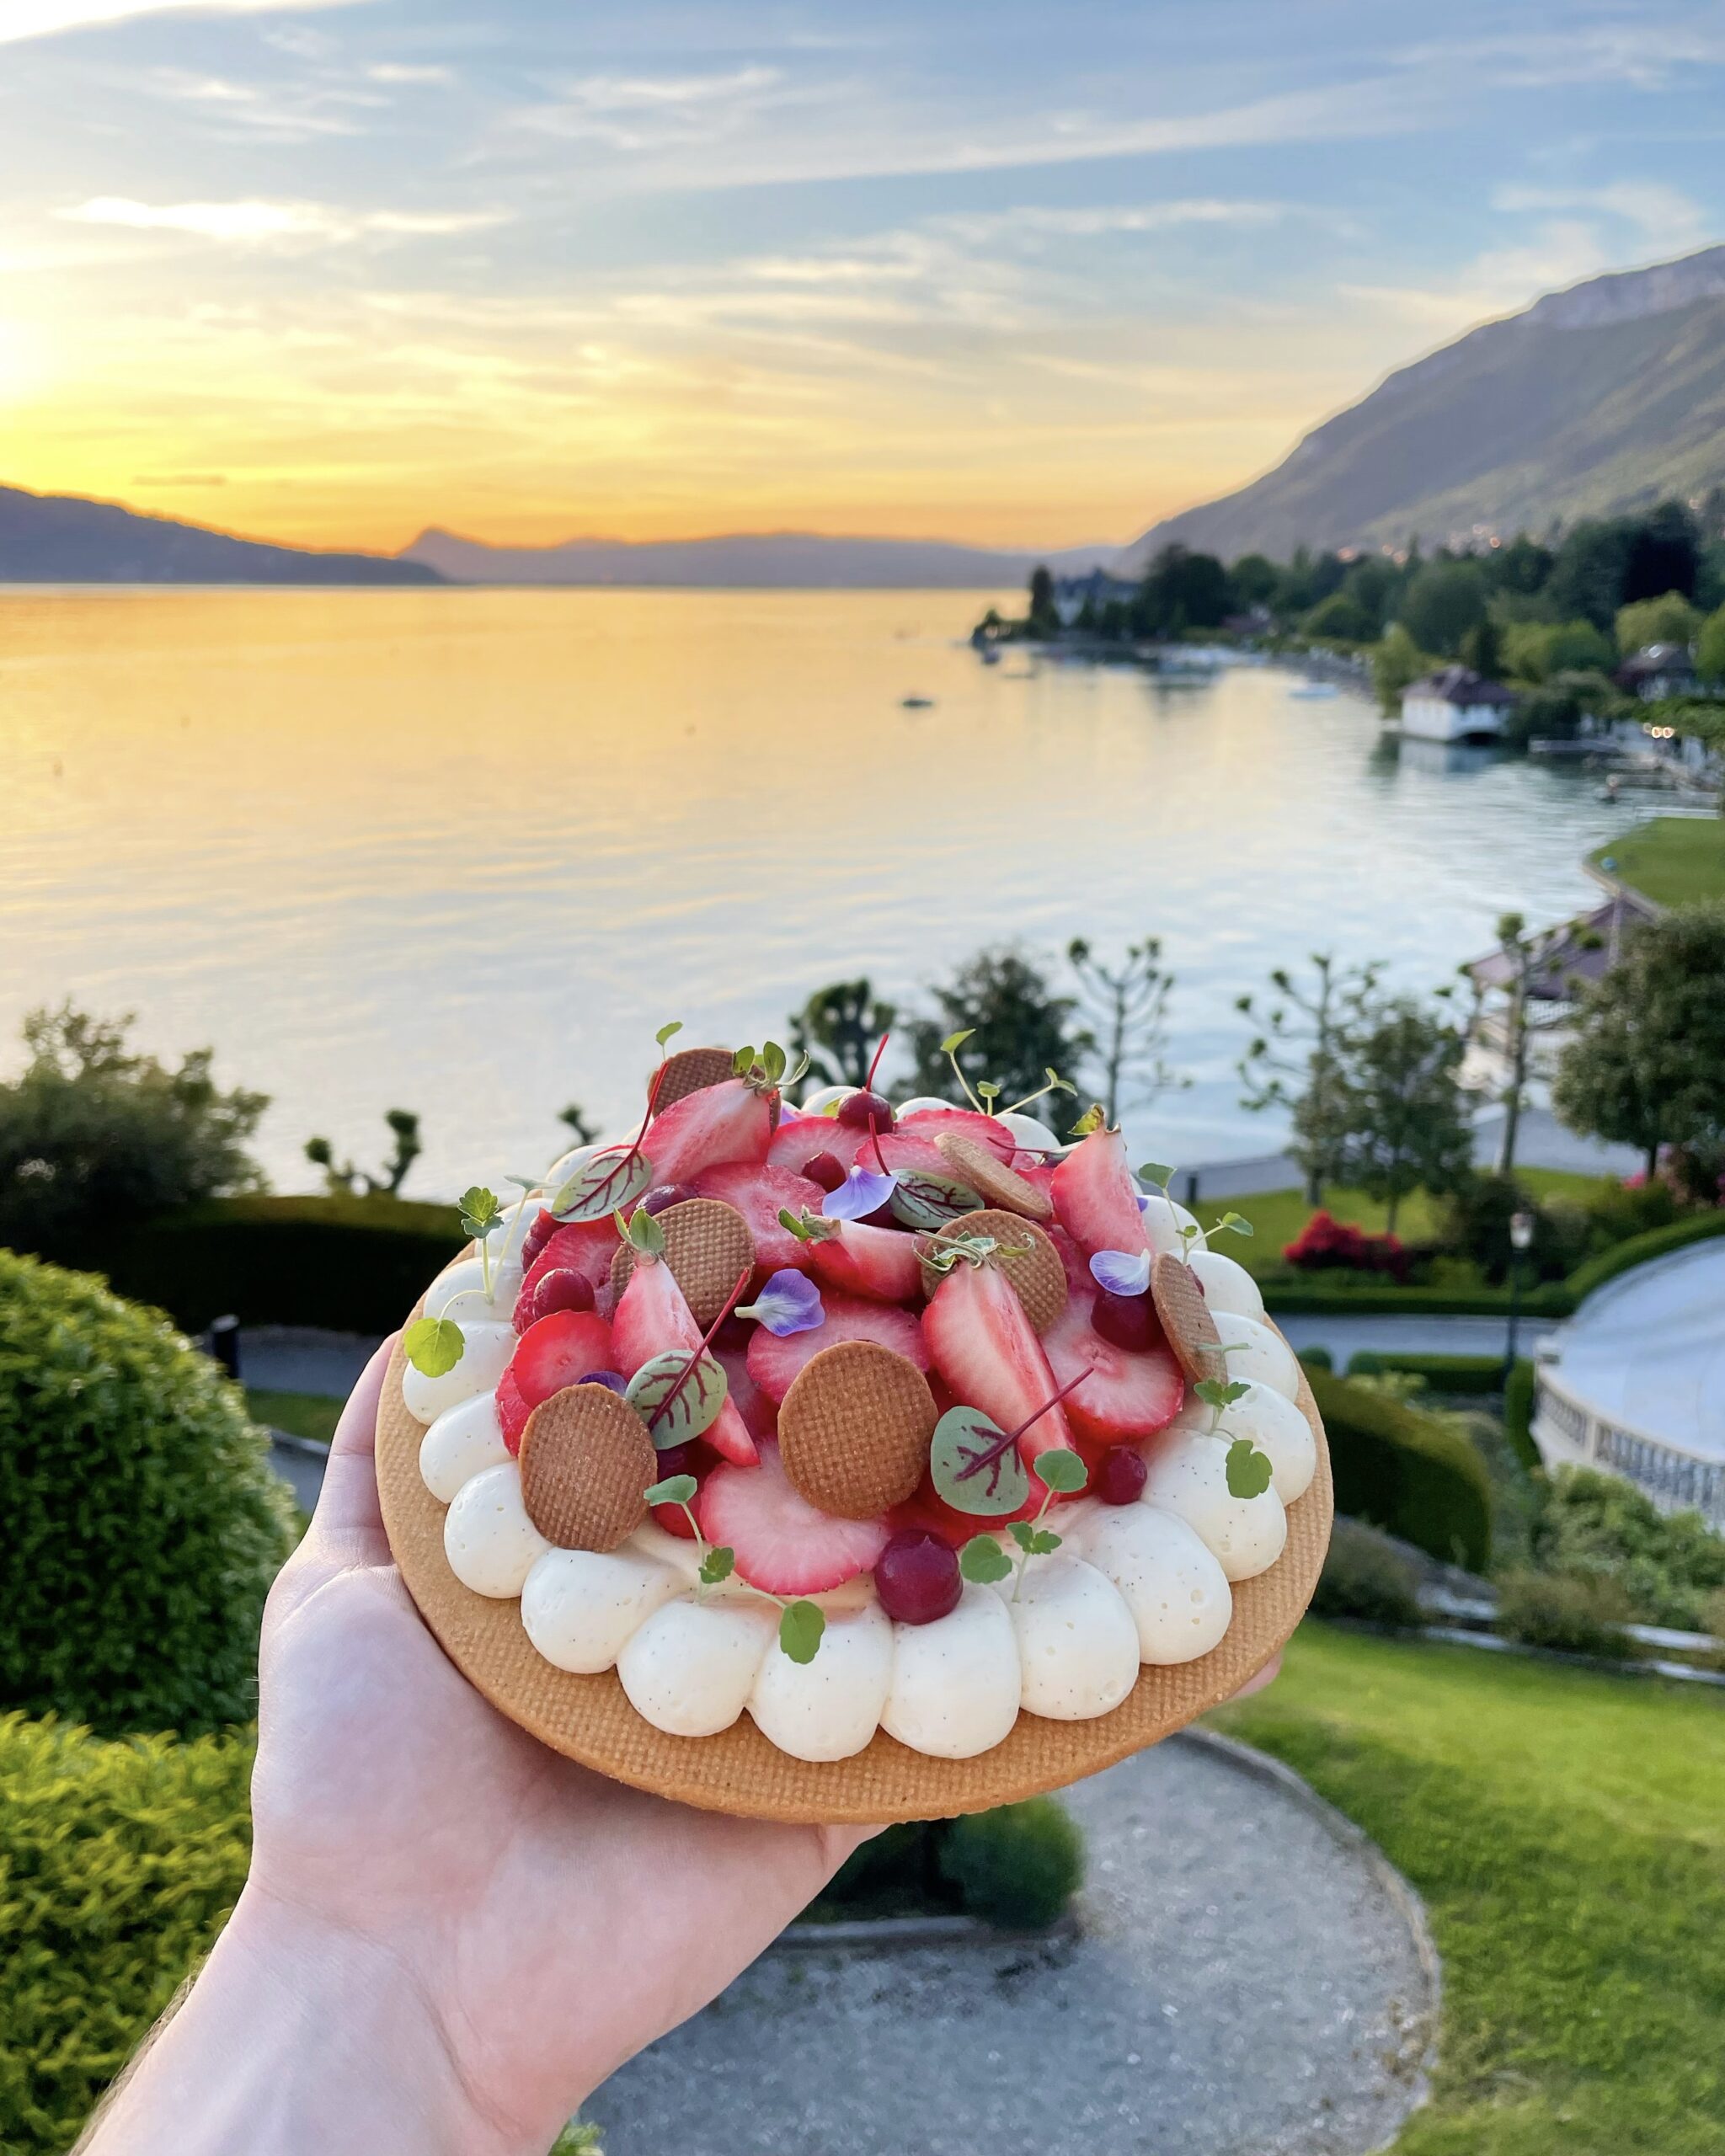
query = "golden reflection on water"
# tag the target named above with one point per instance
(463, 851)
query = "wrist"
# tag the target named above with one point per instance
(300, 2034)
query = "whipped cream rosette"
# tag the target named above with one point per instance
(849, 1462)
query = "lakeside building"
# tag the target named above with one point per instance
(1455, 704)
(1072, 595)
(1659, 671)
(1563, 961)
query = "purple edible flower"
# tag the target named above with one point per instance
(613, 1380)
(790, 1302)
(1120, 1272)
(857, 1196)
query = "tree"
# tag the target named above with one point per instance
(1668, 619)
(1128, 1004)
(1183, 590)
(1341, 619)
(1297, 1062)
(1710, 650)
(1665, 553)
(1523, 566)
(1534, 651)
(1043, 615)
(1646, 1065)
(1022, 1028)
(837, 1029)
(94, 1136)
(1586, 583)
(343, 1176)
(1255, 578)
(1442, 602)
(1521, 953)
(1396, 664)
(1408, 1127)
(581, 1125)
(1482, 649)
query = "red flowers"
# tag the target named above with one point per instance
(1326, 1244)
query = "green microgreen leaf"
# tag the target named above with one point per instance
(641, 1232)
(433, 1346)
(1217, 1393)
(926, 1201)
(1059, 1470)
(987, 1090)
(1159, 1172)
(603, 1183)
(945, 1250)
(676, 1402)
(1248, 1470)
(480, 1211)
(1056, 1084)
(795, 1224)
(1044, 1543)
(983, 1560)
(954, 1042)
(743, 1062)
(974, 1464)
(801, 1629)
(675, 1490)
(717, 1565)
(665, 1032)
(796, 1070)
(1022, 1533)
(1094, 1118)
(1233, 1224)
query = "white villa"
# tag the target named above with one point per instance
(1455, 705)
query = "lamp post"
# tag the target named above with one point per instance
(1521, 1225)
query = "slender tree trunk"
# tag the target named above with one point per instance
(1653, 1167)
(1117, 1056)
(1315, 1188)
(1518, 1081)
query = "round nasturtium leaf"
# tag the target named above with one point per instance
(968, 1470)
(983, 1560)
(1060, 1471)
(1248, 1470)
(675, 1490)
(930, 1202)
(676, 1408)
(801, 1630)
(602, 1183)
(433, 1346)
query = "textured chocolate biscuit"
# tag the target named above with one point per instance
(853, 1430)
(1025, 1255)
(706, 1246)
(691, 1070)
(991, 1179)
(586, 1460)
(1186, 1318)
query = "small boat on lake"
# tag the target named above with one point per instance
(915, 703)
(1312, 692)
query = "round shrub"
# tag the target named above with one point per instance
(143, 1523)
(1577, 1613)
(118, 1862)
(1365, 1576)
(1017, 1867)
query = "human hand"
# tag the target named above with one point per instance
(551, 1922)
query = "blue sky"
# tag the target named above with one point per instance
(1021, 274)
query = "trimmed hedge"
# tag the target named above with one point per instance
(1552, 1298)
(1518, 1415)
(1468, 1373)
(1017, 1866)
(1405, 1472)
(352, 1264)
(142, 1523)
(118, 1863)
(1657, 1242)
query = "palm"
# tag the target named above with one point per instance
(552, 1920)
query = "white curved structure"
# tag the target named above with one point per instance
(1638, 1385)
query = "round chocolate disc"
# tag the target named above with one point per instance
(692, 1070)
(586, 1461)
(706, 1246)
(853, 1430)
(991, 1179)
(1186, 1318)
(1027, 1257)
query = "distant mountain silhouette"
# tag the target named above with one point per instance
(1605, 397)
(757, 559)
(64, 539)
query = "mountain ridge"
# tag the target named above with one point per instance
(1600, 398)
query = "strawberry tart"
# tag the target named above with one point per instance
(767, 1443)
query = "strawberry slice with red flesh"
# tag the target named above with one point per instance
(986, 1349)
(730, 1121)
(1130, 1394)
(795, 1145)
(556, 1351)
(1096, 1198)
(930, 1123)
(760, 1413)
(797, 1142)
(879, 1263)
(782, 1544)
(758, 1190)
(652, 1318)
(774, 1363)
(583, 1246)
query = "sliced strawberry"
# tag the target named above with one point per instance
(1130, 1393)
(878, 1262)
(783, 1545)
(774, 1363)
(1096, 1198)
(652, 1317)
(758, 1412)
(930, 1123)
(1036, 1172)
(795, 1145)
(540, 1230)
(730, 1121)
(1080, 1281)
(906, 1151)
(583, 1246)
(557, 1351)
(986, 1349)
(512, 1411)
(758, 1190)
(929, 1509)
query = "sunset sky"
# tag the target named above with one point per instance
(1021, 274)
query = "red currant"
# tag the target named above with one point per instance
(918, 1577)
(1121, 1477)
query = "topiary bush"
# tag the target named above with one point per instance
(143, 1525)
(1017, 1867)
(1601, 1526)
(1365, 1576)
(118, 1863)
(1407, 1472)
(1576, 1613)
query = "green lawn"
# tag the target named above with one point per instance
(1674, 860)
(300, 1414)
(1567, 1831)
(1277, 1216)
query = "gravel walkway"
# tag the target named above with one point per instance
(1248, 1981)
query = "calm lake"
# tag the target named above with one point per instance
(463, 851)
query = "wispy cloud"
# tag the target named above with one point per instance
(254, 224)
(1667, 218)
(410, 72)
(27, 18)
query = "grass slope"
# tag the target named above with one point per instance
(1567, 1833)
(300, 1414)
(1674, 860)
